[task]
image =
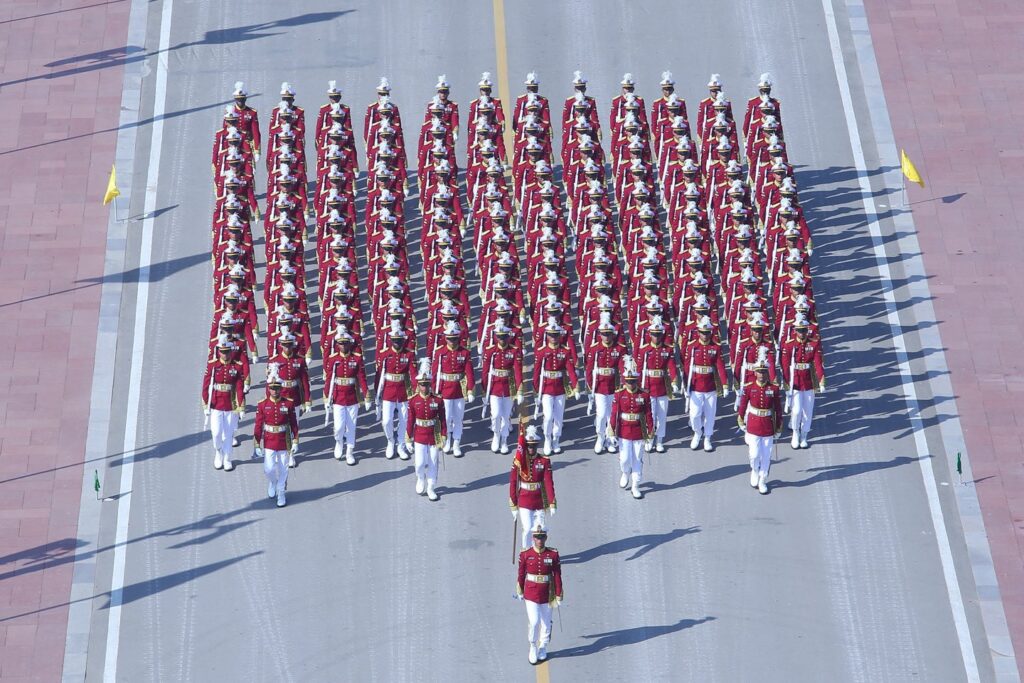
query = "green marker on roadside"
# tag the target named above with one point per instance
(96, 483)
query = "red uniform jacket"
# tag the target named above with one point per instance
(631, 415)
(395, 372)
(658, 367)
(802, 367)
(700, 362)
(227, 391)
(530, 482)
(451, 369)
(540, 575)
(553, 371)
(502, 372)
(760, 409)
(277, 426)
(294, 378)
(426, 420)
(603, 367)
(347, 378)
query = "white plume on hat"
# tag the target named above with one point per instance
(441, 81)
(666, 78)
(577, 77)
(715, 79)
(273, 372)
(531, 78)
(532, 435)
(766, 80)
(384, 84)
(240, 88)
(629, 367)
(286, 88)
(332, 87)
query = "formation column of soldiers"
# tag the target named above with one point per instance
(689, 264)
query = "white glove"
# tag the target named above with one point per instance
(725, 392)
(515, 512)
(366, 404)
(519, 398)
(518, 597)
(255, 358)
(469, 397)
(551, 511)
(295, 448)
(206, 412)
(259, 451)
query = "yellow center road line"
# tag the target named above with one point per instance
(501, 58)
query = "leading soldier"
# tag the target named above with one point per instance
(539, 584)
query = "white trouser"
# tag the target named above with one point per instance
(553, 408)
(389, 411)
(528, 519)
(425, 461)
(454, 409)
(538, 614)
(501, 416)
(759, 452)
(344, 426)
(222, 427)
(801, 411)
(631, 456)
(602, 413)
(659, 410)
(703, 407)
(275, 466)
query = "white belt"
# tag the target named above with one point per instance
(344, 381)
(631, 417)
(702, 369)
(425, 423)
(394, 377)
(538, 578)
(553, 374)
(223, 387)
(606, 371)
(801, 366)
(655, 373)
(274, 429)
(760, 412)
(529, 486)
(499, 373)
(289, 383)
(451, 377)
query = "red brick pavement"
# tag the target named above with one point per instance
(953, 73)
(60, 88)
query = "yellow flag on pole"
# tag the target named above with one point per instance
(112, 190)
(909, 170)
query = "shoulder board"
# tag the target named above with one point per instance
(554, 550)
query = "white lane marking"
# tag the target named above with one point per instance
(910, 393)
(124, 503)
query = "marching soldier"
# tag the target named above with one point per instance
(277, 436)
(531, 484)
(394, 383)
(554, 375)
(502, 373)
(803, 373)
(704, 369)
(293, 374)
(632, 424)
(223, 400)
(425, 431)
(344, 387)
(539, 584)
(453, 366)
(760, 417)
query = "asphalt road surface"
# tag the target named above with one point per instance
(835, 575)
